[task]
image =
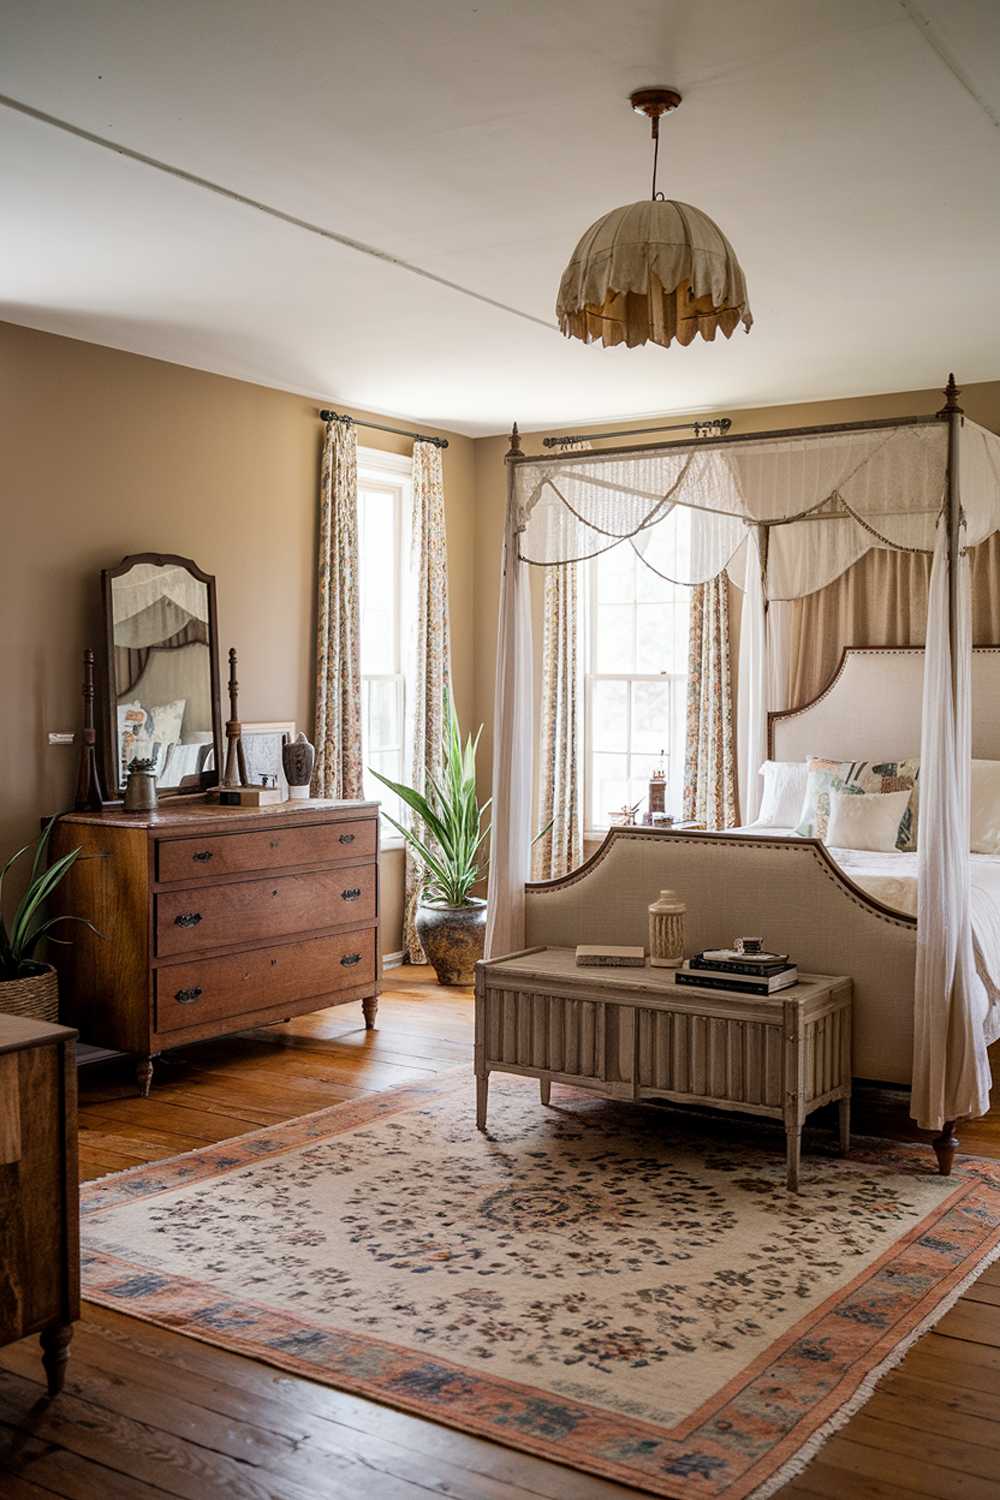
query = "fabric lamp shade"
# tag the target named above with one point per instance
(652, 272)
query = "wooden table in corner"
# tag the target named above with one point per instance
(635, 1034)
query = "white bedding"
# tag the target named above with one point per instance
(892, 879)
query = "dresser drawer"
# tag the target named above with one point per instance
(251, 910)
(210, 989)
(264, 849)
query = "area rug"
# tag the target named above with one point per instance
(623, 1290)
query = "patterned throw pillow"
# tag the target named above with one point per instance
(858, 777)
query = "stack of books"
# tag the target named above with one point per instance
(746, 973)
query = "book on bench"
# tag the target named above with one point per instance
(741, 984)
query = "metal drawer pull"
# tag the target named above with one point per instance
(350, 959)
(188, 997)
(203, 856)
(347, 838)
(351, 894)
(188, 919)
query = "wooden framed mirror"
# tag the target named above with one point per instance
(162, 677)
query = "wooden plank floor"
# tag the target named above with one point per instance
(147, 1413)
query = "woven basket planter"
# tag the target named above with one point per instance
(36, 995)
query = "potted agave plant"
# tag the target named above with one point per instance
(447, 838)
(29, 987)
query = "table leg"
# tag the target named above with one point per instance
(545, 1089)
(793, 1134)
(482, 1090)
(55, 1352)
(844, 1111)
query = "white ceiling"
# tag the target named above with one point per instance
(849, 149)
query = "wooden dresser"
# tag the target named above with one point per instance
(39, 1199)
(216, 919)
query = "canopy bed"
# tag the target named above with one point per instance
(785, 513)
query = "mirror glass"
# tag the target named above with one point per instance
(161, 672)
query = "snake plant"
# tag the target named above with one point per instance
(448, 834)
(20, 938)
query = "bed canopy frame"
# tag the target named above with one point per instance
(784, 513)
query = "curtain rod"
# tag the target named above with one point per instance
(932, 420)
(713, 424)
(418, 437)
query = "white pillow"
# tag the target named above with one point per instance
(984, 810)
(783, 794)
(866, 820)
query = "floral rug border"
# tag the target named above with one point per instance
(750, 1438)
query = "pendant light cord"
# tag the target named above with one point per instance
(655, 122)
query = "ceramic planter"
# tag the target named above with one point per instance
(452, 937)
(35, 994)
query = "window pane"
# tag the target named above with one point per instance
(654, 638)
(615, 647)
(609, 715)
(609, 787)
(390, 763)
(377, 544)
(616, 575)
(650, 718)
(385, 730)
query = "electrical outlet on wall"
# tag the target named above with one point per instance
(61, 737)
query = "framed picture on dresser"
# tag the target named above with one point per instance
(262, 748)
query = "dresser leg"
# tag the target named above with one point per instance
(369, 1008)
(55, 1353)
(482, 1093)
(144, 1075)
(844, 1111)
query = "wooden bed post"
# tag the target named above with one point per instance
(947, 1143)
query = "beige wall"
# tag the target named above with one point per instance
(104, 453)
(981, 402)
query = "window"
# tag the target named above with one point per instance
(636, 669)
(383, 502)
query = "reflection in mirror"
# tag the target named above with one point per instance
(162, 672)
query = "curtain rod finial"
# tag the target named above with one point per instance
(951, 395)
(514, 451)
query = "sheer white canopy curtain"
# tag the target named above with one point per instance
(783, 514)
(426, 655)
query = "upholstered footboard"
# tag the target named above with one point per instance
(788, 890)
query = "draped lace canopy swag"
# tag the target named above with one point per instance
(785, 513)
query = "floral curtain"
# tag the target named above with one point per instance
(710, 762)
(339, 770)
(561, 848)
(429, 652)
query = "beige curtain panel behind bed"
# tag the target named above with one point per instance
(339, 771)
(880, 601)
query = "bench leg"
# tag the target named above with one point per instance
(482, 1091)
(545, 1089)
(844, 1111)
(793, 1134)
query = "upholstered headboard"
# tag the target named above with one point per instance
(871, 707)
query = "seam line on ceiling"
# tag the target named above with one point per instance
(206, 183)
(923, 25)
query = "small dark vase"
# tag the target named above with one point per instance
(453, 938)
(298, 758)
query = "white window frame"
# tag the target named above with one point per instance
(676, 680)
(389, 472)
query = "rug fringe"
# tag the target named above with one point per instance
(796, 1467)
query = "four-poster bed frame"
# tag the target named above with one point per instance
(792, 887)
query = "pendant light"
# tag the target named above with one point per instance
(652, 271)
